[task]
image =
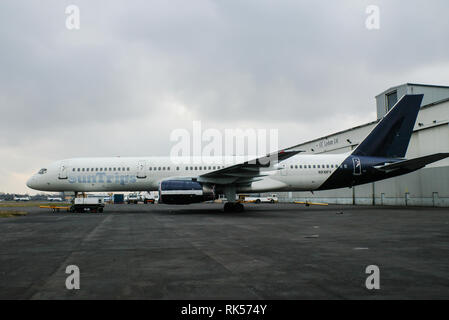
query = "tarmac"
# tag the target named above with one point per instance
(270, 251)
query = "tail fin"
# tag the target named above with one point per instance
(391, 136)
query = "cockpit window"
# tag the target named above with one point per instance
(42, 171)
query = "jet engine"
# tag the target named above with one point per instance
(184, 192)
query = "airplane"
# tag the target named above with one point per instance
(379, 156)
(21, 198)
(49, 198)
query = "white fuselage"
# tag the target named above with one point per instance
(298, 173)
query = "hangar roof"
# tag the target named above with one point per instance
(412, 84)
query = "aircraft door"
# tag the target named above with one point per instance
(357, 166)
(62, 171)
(141, 166)
(283, 170)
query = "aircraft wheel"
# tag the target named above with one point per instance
(233, 207)
(238, 207)
(228, 206)
(257, 201)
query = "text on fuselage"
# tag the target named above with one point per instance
(102, 177)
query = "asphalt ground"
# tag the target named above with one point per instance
(270, 251)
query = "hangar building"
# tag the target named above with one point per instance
(426, 187)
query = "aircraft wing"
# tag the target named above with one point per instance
(413, 164)
(249, 171)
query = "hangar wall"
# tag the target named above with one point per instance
(426, 187)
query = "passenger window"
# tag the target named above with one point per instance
(127, 169)
(78, 169)
(73, 169)
(187, 168)
(296, 166)
(151, 168)
(196, 168)
(115, 169)
(318, 166)
(209, 167)
(213, 168)
(83, 169)
(177, 168)
(159, 169)
(191, 168)
(87, 169)
(118, 169)
(163, 168)
(314, 166)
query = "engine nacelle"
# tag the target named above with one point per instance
(184, 192)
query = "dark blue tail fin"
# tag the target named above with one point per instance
(391, 136)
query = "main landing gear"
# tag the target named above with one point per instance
(233, 207)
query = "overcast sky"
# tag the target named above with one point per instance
(136, 70)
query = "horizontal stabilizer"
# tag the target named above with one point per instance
(413, 164)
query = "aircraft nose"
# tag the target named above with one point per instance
(30, 182)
